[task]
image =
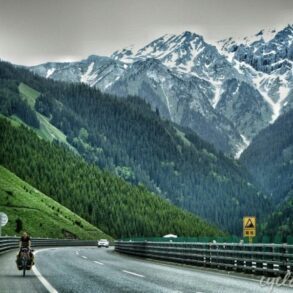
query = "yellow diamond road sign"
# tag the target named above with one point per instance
(249, 226)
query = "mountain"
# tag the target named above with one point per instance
(267, 58)
(125, 137)
(266, 51)
(181, 99)
(102, 199)
(95, 71)
(227, 92)
(243, 104)
(269, 158)
(186, 53)
(29, 209)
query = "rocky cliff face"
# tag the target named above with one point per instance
(267, 59)
(180, 98)
(267, 51)
(242, 104)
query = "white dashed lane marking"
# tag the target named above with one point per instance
(134, 274)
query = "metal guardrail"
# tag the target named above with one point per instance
(9, 243)
(263, 259)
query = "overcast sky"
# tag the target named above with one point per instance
(36, 31)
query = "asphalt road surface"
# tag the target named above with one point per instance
(77, 269)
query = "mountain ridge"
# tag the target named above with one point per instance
(213, 66)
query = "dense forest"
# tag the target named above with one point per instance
(280, 223)
(30, 210)
(272, 149)
(116, 207)
(128, 139)
(11, 103)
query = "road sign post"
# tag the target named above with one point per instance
(249, 227)
(3, 221)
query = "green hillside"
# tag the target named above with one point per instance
(109, 203)
(29, 209)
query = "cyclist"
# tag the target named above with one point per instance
(25, 242)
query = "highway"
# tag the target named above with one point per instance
(91, 269)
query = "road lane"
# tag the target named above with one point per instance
(103, 270)
(121, 273)
(11, 279)
(180, 278)
(72, 273)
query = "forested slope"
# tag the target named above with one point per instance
(30, 210)
(280, 223)
(109, 203)
(269, 158)
(125, 137)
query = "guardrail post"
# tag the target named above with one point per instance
(283, 267)
(270, 264)
(239, 257)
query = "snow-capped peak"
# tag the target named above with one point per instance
(169, 43)
(251, 74)
(161, 47)
(263, 35)
(125, 55)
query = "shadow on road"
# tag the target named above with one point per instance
(28, 275)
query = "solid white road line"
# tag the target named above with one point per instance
(99, 263)
(134, 274)
(84, 257)
(45, 283)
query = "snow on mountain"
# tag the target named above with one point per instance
(227, 92)
(187, 53)
(267, 59)
(183, 99)
(50, 72)
(96, 71)
(86, 77)
(263, 35)
(242, 147)
(124, 55)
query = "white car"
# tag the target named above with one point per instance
(103, 243)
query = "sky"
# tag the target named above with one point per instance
(38, 31)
